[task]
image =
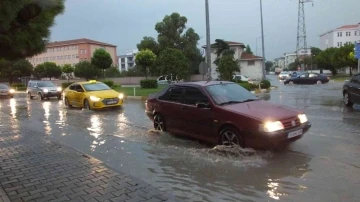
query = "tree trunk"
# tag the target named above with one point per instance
(68, 77)
(104, 74)
(350, 71)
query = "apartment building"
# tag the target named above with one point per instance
(127, 61)
(340, 36)
(72, 52)
(291, 57)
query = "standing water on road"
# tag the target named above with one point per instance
(322, 166)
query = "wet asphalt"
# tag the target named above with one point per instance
(322, 166)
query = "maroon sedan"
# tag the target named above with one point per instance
(224, 113)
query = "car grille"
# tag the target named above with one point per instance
(3, 91)
(291, 123)
(107, 100)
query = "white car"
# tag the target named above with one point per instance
(239, 77)
(164, 80)
(284, 75)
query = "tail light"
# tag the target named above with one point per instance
(328, 78)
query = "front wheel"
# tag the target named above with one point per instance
(159, 123)
(30, 97)
(230, 136)
(87, 105)
(318, 82)
(41, 96)
(347, 101)
(291, 82)
(66, 101)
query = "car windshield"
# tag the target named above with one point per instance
(229, 93)
(2, 86)
(46, 84)
(96, 87)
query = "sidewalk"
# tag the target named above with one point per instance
(33, 168)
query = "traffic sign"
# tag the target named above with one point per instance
(357, 50)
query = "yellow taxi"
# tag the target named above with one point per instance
(92, 95)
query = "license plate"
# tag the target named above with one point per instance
(295, 133)
(111, 102)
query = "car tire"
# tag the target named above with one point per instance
(159, 123)
(40, 96)
(291, 83)
(66, 102)
(30, 97)
(230, 136)
(87, 105)
(318, 82)
(347, 101)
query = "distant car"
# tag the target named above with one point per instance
(351, 91)
(308, 78)
(239, 77)
(5, 91)
(92, 95)
(43, 89)
(224, 113)
(296, 74)
(284, 75)
(165, 80)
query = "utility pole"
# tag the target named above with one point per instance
(263, 44)
(208, 45)
(301, 30)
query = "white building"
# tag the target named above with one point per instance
(127, 61)
(340, 36)
(291, 57)
(250, 65)
(279, 62)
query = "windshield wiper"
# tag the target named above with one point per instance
(250, 100)
(234, 102)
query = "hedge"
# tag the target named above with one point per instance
(18, 85)
(109, 83)
(265, 84)
(148, 83)
(66, 84)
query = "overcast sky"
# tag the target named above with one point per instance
(125, 22)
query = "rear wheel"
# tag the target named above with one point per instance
(230, 136)
(291, 82)
(29, 96)
(66, 102)
(87, 105)
(318, 82)
(159, 123)
(347, 101)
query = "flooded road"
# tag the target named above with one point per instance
(322, 166)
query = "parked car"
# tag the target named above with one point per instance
(165, 80)
(351, 91)
(92, 95)
(296, 74)
(308, 78)
(5, 91)
(224, 113)
(43, 89)
(239, 77)
(284, 75)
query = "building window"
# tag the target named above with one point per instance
(355, 33)
(339, 34)
(77, 55)
(251, 63)
(73, 56)
(81, 51)
(348, 33)
(84, 51)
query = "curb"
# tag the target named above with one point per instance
(136, 97)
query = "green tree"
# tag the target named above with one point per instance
(145, 59)
(293, 66)
(268, 65)
(112, 72)
(47, 70)
(101, 60)
(173, 33)
(25, 26)
(248, 50)
(17, 68)
(39, 71)
(323, 60)
(173, 62)
(227, 67)
(149, 43)
(221, 48)
(86, 70)
(68, 70)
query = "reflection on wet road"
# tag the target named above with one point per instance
(322, 166)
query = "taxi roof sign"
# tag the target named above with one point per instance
(92, 81)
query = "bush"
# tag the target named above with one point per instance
(265, 84)
(148, 83)
(109, 83)
(21, 88)
(116, 86)
(248, 86)
(66, 84)
(17, 85)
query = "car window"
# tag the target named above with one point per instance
(223, 93)
(79, 88)
(2, 86)
(356, 79)
(193, 96)
(73, 87)
(46, 84)
(313, 75)
(174, 94)
(304, 76)
(96, 87)
(161, 78)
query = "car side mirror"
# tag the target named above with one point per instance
(202, 105)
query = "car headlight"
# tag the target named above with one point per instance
(59, 89)
(271, 126)
(121, 96)
(94, 98)
(12, 91)
(302, 118)
(46, 90)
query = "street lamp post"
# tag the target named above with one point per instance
(257, 44)
(263, 45)
(208, 46)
